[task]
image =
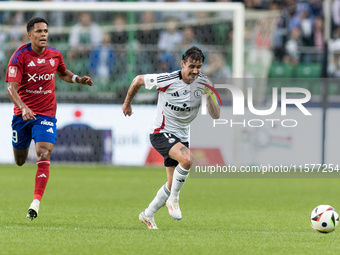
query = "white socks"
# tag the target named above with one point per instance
(159, 201)
(163, 194)
(36, 202)
(178, 180)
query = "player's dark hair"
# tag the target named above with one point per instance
(34, 20)
(193, 53)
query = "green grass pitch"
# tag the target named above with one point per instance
(89, 209)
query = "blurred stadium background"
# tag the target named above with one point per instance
(282, 39)
(91, 208)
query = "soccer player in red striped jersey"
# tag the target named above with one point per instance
(31, 87)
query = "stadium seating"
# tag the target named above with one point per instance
(308, 71)
(279, 70)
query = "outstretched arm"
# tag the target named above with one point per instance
(137, 82)
(214, 109)
(70, 77)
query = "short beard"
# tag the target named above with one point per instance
(191, 80)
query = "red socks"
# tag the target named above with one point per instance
(41, 178)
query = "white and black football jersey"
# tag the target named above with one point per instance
(178, 102)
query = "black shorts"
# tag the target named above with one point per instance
(163, 142)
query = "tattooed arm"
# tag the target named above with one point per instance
(214, 109)
(137, 82)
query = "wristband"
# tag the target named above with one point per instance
(74, 78)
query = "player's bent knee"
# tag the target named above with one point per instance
(20, 162)
(43, 152)
(20, 156)
(43, 155)
(186, 162)
(191, 160)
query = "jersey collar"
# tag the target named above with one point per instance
(29, 46)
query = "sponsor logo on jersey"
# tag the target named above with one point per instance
(41, 77)
(47, 123)
(41, 61)
(50, 130)
(181, 109)
(12, 71)
(52, 62)
(31, 64)
(40, 91)
(176, 94)
(186, 92)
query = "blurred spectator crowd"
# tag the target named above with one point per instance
(106, 43)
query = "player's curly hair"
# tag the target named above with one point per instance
(34, 20)
(193, 53)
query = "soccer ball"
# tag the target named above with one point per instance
(324, 218)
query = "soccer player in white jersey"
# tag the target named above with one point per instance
(176, 108)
